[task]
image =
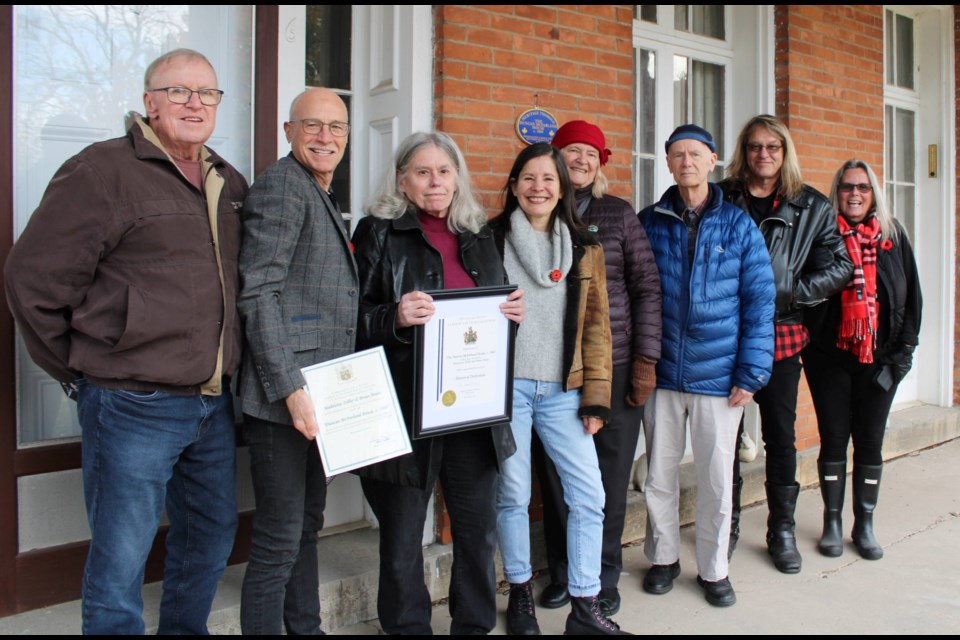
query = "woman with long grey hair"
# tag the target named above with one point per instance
(862, 343)
(425, 231)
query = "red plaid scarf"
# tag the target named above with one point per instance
(858, 311)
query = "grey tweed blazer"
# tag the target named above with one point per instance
(298, 286)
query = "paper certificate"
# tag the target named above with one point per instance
(357, 411)
(464, 362)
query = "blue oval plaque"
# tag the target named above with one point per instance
(536, 125)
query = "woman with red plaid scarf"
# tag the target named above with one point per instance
(862, 346)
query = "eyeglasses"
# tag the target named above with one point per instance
(772, 148)
(314, 127)
(182, 95)
(847, 187)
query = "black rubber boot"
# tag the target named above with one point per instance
(735, 519)
(866, 490)
(521, 615)
(587, 619)
(833, 480)
(781, 527)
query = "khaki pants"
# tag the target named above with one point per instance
(713, 435)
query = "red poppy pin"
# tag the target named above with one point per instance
(555, 275)
(887, 244)
(352, 250)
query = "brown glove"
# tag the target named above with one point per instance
(643, 379)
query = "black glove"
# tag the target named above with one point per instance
(902, 361)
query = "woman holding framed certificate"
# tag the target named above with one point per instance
(425, 232)
(562, 381)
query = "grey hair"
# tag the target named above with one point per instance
(887, 227)
(167, 57)
(465, 213)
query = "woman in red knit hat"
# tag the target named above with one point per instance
(633, 287)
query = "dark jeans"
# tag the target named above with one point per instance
(141, 452)
(848, 403)
(778, 417)
(468, 476)
(616, 445)
(282, 581)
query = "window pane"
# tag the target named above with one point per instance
(905, 148)
(646, 101)
(708, 20)
(891, 49)
(648, 12)
(341, 177)
(680, 17)
(646, 196)
(904, 209)
(680, 93)
(707, 81)
(888, 144)
(328, 46)
(904, 52)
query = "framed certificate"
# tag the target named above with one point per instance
(357, 411)
(464, 362)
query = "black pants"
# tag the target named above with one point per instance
(778, 416)
(616, 444)
(848, 403)
(468, 476)
(282, 581)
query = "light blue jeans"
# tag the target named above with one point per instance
(546, 407)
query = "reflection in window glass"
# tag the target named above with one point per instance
(898, 41)
(79, 69)
(328, 46)
(680, 91)
(701, 19)
(647, 12)
(900, 165)
(646, 101)
(707, 83)
(905, 146)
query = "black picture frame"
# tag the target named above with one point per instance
(432, 400)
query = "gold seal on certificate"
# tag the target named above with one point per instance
(449, 398)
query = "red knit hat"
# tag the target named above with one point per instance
(584, 132)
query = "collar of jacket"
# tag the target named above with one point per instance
(785, 214)
(147, 146)
(665, 206)
(409, 221)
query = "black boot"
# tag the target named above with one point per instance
(521, 616)
(781, 527)
(735, 519)
(833, 480)
(866, 490)
(587, 619)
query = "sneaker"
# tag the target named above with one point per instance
(587, 619)
(660, 577)
(719, 593)
(521, 616)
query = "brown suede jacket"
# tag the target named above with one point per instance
(118, 276)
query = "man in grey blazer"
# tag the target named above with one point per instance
(298, 300)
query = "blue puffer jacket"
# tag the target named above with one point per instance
(717, 316)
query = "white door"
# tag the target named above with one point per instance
(384, 72)
(918, 173)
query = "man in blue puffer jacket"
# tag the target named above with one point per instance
(716, 352)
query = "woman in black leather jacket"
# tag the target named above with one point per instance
(425, 231)
(862, 346)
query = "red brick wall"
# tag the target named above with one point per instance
(829, 78)
(491, 60)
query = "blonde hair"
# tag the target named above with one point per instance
(887, 227)
(790, 179)
(600, 184)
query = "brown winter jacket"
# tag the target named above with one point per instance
(118, 277)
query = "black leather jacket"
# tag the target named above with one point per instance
(394, 257)
(809, 258)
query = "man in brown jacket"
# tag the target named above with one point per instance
(124, 288)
